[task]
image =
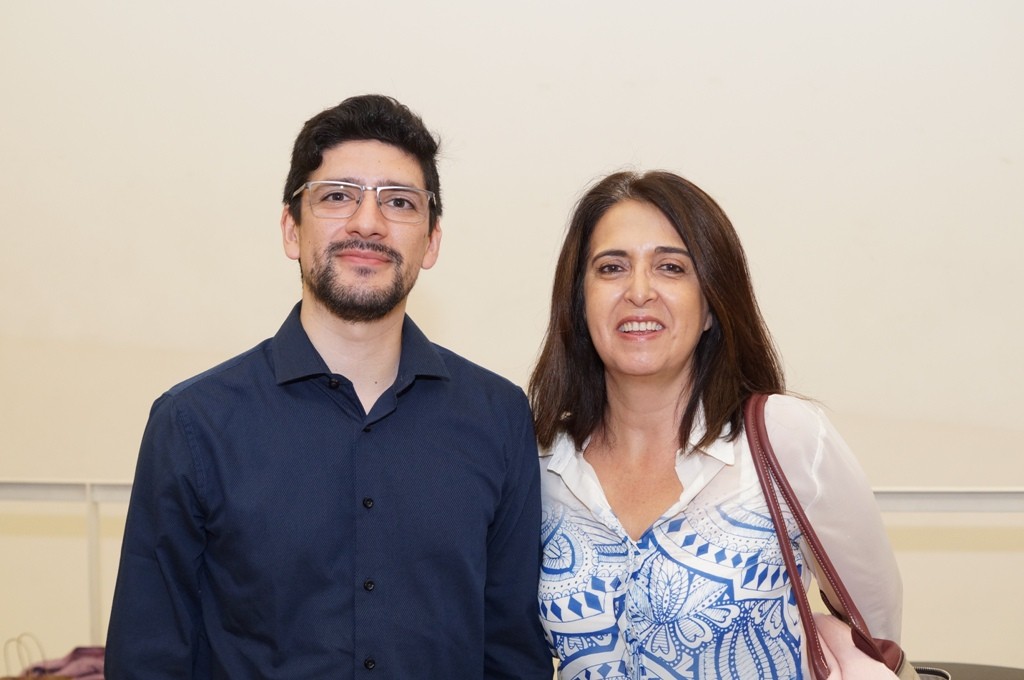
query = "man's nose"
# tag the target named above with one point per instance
(368, 220)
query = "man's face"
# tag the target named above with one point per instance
(361, 268)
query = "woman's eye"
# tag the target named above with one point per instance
(609, 268)
(673, 268)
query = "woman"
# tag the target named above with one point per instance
(660, 560)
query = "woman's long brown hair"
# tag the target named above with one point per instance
(733, 359)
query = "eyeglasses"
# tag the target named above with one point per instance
(335, 200)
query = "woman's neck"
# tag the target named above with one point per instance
(642, 414)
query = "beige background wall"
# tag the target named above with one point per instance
(869, 153)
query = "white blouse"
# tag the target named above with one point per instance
(704, 593)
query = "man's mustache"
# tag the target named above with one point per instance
(359, 244)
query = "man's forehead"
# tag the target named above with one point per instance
(369, 161)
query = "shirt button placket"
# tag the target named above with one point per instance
(369, 663)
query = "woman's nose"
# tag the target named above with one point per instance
(640, 290)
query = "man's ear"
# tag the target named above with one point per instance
(433, 247)
(289, 234)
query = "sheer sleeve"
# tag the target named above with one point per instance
(840, 505)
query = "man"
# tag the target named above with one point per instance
(346, 499)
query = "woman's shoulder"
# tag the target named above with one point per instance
(798, 427)
(793, 413)
(815, 457)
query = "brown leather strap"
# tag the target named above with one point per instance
(771, 475)
(757, 437)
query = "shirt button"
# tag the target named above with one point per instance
(334, 383)
(367, 503)
(367, 428)
(369, 663)
(369, 585)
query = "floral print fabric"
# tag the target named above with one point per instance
(704, 592)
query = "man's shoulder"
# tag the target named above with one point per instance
(247, 366)
(469, 372)
(480, 392)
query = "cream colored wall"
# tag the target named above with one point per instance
(870, 155)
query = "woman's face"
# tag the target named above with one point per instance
(645, 309)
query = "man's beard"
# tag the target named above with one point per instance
(348, 302)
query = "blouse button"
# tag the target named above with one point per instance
(369, 663)
(367, 502)
(369, 585)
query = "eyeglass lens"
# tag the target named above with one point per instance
(339, 200)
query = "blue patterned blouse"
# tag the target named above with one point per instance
(704, 593)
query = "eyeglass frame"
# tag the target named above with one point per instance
(431, 202)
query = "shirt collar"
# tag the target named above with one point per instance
(295, 358)
(420, 358)
(721, 448)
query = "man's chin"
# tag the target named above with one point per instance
(368, 304)
(352, 296)
(358, 312)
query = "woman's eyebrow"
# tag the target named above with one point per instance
(661, 250)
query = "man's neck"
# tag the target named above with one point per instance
(367, 352)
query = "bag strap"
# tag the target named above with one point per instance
(758, 440)
(771, 475)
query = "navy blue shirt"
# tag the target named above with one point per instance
(276, 530)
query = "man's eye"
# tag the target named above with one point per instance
(402, 202)
(337, 197)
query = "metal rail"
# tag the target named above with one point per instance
(950, 499)
(92, 494)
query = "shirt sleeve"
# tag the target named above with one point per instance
(840, 505)
(514, 644)
(154, 629)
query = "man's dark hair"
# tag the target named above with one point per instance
(364, 117)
